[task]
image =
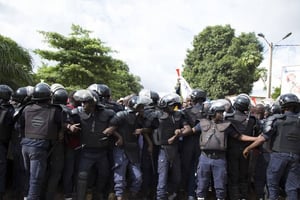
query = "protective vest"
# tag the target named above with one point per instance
(243, 124)
(5, 122)
(193, 114)
(92, 127)
(288, 135)
(213, 135)
(168, 123)
(127, 121)
(40, 122)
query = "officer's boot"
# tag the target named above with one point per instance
(82, 185)
(120, 198)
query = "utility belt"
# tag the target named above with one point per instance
(214, 154)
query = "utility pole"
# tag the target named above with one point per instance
(271, 48)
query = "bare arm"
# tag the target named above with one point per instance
(146, 133)
(247, 138)
(260, 139)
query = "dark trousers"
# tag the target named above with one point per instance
(260, 176)
(71, 160)
(190, 153)
(35, 163)
(3, 165)
(89, 158)
(238, 174)
(283, 165)
(122, 165)
(149, 170)
(212, 167)
(169, 175)
(18, 169)
(55, 169)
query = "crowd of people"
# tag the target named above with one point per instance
(146, 147)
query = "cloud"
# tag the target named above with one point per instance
(152, 36)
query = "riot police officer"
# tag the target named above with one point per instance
(149, 150)
(129, 124)
(56, 156)
(213, 144)
(21, 97)
(6, 126)
(238, 166)
(283, 131)
(94, 119)
(41, 122)
(190, 148)
(170, 125)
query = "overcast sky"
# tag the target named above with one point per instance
(152, 37)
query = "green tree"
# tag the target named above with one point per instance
(276, 93)
(221, 63)
(81, 61)
(15, 64)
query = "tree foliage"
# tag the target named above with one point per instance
(15, 64)
(221, 63)
(81, 61)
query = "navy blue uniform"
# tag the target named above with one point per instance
(285, 156)
(212, 161)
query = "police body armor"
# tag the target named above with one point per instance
(167, 126)
(193, 114)
(213, 135)
(40, 122)
(244, 124)
(5, 122)
(126, 130)
(92, 127)
(288, 137)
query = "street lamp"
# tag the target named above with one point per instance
(271, 48)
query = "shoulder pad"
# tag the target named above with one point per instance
(268, 125)
(223, 126)
(122, 113)
(205, 124)
(275, 116)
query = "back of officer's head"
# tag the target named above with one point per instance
(289, 102)
(41, 93)
(242, 103)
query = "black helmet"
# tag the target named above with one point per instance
(275, 109)
(56, 86)
(170, 100)
(60, 96)
(5, 92)
(198, 95)
(242, 102)
(23, 94)
(288, 100)
(150, 94)
(135, 102)
(217, 106)
(102, 90)
(41, 92)
(84, 96)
